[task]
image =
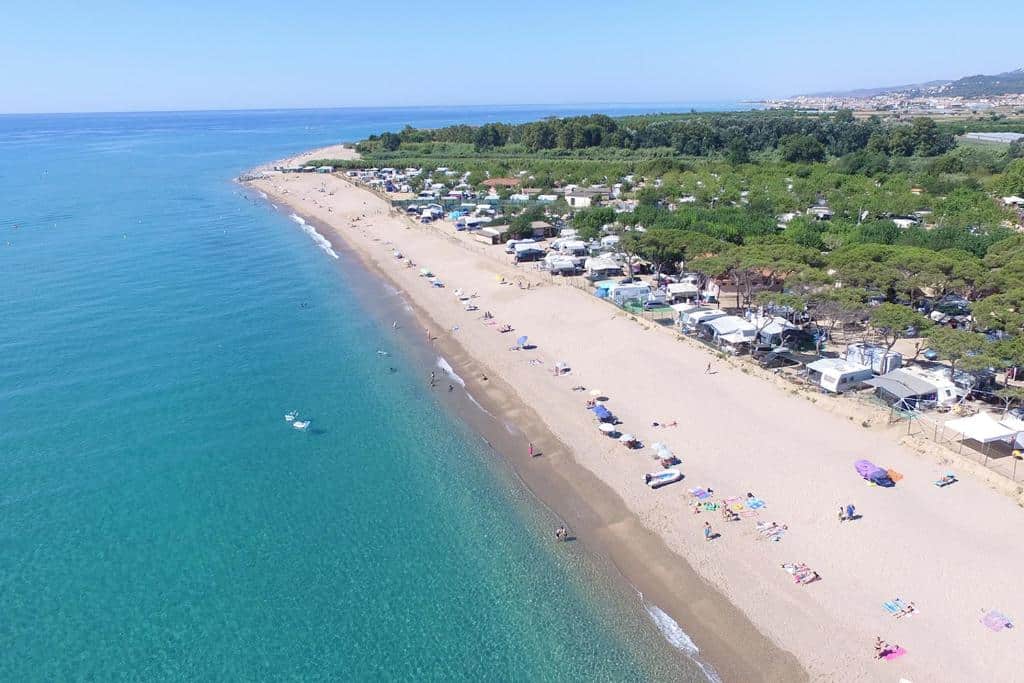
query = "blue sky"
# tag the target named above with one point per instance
(107, 55)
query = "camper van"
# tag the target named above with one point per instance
(837, 375)
(510, 246)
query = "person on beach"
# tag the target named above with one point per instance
(842, 514)
(433, 379)
(451, 388)
(851, 511)
(561, 533)
(531, 450)
(707, 370)
(394, 325)
(707, 531)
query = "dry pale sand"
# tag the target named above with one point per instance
(952, 551)
(341, 151)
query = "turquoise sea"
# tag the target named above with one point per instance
(160, 520)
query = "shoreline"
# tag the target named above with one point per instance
(730, 647)
(738, 433)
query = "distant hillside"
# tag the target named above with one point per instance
(871, 92)
(1010, 82)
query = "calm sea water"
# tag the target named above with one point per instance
(158, 517)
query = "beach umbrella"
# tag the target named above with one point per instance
(626, 438)
(595, 392)
(657, 445)
(606, 428)
(521, 341)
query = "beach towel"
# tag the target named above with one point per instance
(893, 606)
(894, 654)
(699, 494)
(894, 475)
(710, 507)
(755, 503)
(996, 621)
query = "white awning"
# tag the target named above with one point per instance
(981, 427)
(683, 288)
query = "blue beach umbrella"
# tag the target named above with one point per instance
(521, 341)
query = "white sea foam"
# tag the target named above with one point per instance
(275, 206)
(679, 639)
(443, 364)
(477, 404)
(447, 369)
(320, 240)
(263, 194)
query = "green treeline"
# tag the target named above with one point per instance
(798, 138)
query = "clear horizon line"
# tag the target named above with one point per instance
(386, 106)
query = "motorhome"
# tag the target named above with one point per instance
(837, 375)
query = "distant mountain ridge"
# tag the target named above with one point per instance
(1006, 83)
(980, 85)
(871, 92)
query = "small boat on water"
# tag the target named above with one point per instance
(658, 479)
(300, 424)
(290, 417)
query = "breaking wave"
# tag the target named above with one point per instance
(320, 240)
(679, 639)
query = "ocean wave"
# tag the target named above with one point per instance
(263, 195)
(320, 240)
(447, 369)
(679, 639)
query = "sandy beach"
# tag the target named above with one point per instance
(951, 551)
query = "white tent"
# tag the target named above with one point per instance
(731, 324)
(982, 428)
(683, 289)
(771, 325)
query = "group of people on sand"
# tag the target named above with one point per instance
(885, 649)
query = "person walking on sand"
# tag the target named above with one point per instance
(531, 449)
(851, 511)
(707, 531)
(842, 514)
(707, 370)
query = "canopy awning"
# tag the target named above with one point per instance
(981, 427)
(731, 324)
(902, 384)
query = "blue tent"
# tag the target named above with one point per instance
(602, 413)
